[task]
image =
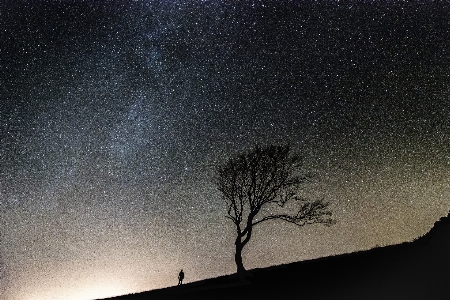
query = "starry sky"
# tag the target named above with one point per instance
(114, 114)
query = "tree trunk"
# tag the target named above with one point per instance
(238, 258)
(246, 234)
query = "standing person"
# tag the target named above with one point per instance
(180, 277)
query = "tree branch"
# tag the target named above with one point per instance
(309, 213)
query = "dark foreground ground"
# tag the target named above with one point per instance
(416, 270)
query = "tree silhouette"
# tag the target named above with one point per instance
(261, 185)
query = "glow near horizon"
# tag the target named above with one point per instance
(96, 286)
(114, 119)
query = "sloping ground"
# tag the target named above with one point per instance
(416, 270)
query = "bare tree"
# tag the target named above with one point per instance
(261, 185)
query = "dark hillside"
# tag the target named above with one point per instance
(415, 270)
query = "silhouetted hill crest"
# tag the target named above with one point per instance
(411, 270)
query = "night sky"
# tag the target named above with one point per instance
(114, 114)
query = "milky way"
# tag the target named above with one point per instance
(113, 116)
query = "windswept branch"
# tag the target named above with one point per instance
(309, 213)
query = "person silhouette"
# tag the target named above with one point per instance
(180, 277)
